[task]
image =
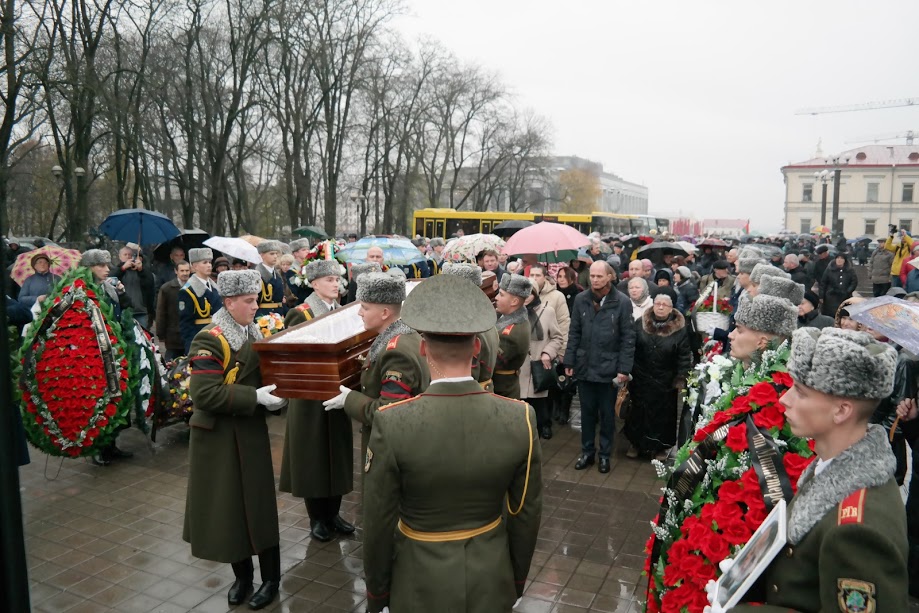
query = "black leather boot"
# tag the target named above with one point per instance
(564, 409)
(270, 563)
(242, 587)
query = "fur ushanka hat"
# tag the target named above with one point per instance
(842, 363)
(95, 257)
(769, 314)
(380, 288)
(783, 288)
(515, 284)
(238, 283)
(300, 243)
(322, 268)
(363, 268)
(266, 246)
(766, 269)
(200, 255)
(467, 271)
(748, 258)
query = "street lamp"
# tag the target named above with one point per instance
(837, 161)
(822, 176)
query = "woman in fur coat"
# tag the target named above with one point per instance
(662, 362)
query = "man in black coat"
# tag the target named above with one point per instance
(167, 311)
(792, 265)
(601, 348)
(138, 284)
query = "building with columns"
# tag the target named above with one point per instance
(877, 187)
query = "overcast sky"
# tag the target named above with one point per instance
(696, 100)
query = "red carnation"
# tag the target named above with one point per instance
(762, 394)
(794, 465)
(769, 417)
(110, 410)
(737, 438)
(783, 379)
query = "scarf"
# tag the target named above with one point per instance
(645, 293)
(392, 331)
(236, 335)
(536, 330)
(598, 296)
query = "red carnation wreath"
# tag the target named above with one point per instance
(74, 377)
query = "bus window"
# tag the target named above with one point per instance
(640, 226)
(486, 227)
(439, 228)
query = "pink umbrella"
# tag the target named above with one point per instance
(549, 241)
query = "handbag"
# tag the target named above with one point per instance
(622, 402)
(543, 378)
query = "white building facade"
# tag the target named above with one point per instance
(877, 187)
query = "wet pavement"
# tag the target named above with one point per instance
(110, 539)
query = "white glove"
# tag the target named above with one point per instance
(517, 604)
(711, 588)
(339, 401)
(265, 398)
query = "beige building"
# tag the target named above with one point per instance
(877, 187)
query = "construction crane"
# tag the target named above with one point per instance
(909, 135)
(867, 106)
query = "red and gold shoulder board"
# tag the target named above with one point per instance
(506, 331)
(852, 509)
(392, 344)
(216, 331)
(303, 307)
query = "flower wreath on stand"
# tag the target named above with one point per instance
(741, 460)
(144, 356)
(318, 252)
(74, 375)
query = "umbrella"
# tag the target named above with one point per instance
(713, 242)
(860, 239)
(397, 250)
(311, 232)
(663, 248)
(235, 248)
(139, 226)
(466, 248)
(62, 260)
(894, 318)
(689, 247)
(550, 242)
(820, 230)
(189, 239)
(509, 227)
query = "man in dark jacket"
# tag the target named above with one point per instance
(138, 283)
(809, 316)
(819, 264)
(839, 281)
(167, 311)
(792, 266)
(601, 347)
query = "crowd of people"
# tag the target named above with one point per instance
(621, 333)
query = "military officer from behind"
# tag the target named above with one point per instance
(394, 369)
(513, 330)
(483, 363)
(453, 480)
(317, 463)
(847, 547)
(198, 299)
(271, 294)
(231, 511)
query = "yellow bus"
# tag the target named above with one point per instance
(446, 222)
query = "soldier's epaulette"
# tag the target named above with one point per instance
(506, 331)
(216, 331)
(303, 307)
(386, 407)
(393, 342)
(852, 509)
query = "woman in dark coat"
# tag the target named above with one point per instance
(839, 281)
(567, 284)
(662, 362)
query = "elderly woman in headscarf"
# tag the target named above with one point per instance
(663, 359)
(546, 340)
(640, 295)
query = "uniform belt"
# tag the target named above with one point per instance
(485, 384)
(444, 537)
(203, 322)
(507, 372)
(269, 305)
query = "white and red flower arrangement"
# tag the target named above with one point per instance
(696, 532)
(74, 379)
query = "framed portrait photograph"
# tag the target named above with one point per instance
(753, 559)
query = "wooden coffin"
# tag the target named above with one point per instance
(311, 360)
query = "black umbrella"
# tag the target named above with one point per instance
(188, 239)
(661, 248)
(507, 228)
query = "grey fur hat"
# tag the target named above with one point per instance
(437, 242)
(842, 363)
(266, 246)
(238, 283)
(748, 264)
(380, 288)
(363, 268)
(783, 288)
(515, 284)
(95, 257)
(300, 243)
(769, 314)
(322, 268)
(467, 271)
(285, 248)
(200, 255)
(765, 269)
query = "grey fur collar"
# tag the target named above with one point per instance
(317, 306)
(199, 287)
(395, 329)
(867, 463)
(233, 332)
(517, 317)
(263, 271)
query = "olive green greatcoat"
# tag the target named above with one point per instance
(318, 457)
(514, 350)
(397, 373)
(454, 458)
(818, 573)
(231, 510)
(483, 365)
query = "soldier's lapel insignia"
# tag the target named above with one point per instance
(855, 596)
(181, 305)
(506, 331)
(368, 460)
